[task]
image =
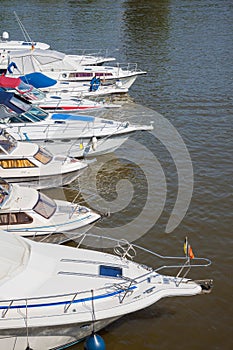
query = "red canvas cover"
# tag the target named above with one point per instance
(7, 82)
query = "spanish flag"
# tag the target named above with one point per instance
(188, 249)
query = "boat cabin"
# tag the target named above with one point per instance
(44, 207)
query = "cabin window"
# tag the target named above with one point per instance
(110, 271)
(80, 75)
(43, 156)
(16, 163)
(15, 218)
(45, 206)
(103, 75)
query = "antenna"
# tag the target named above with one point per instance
(25, 33)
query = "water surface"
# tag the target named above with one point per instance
(186, 48)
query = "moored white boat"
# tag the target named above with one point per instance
(64, 68)
(85, 57)
(71, 88)
(12, 45)
(31, 165)
(49, 102)
(53, 296)
(27, 212)
(68, 134)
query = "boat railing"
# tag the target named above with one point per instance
(130, 251)
(97, 53)
(61, 301)
(126, 252)
(47, 127)
(65, 301)
(131, 67)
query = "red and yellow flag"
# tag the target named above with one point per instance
(188, 249)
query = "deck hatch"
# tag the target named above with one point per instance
(110, 271)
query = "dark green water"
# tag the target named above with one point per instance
(186, 47)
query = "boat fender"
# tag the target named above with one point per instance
(94, 143)
(94, 342)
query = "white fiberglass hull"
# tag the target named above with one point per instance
(66, 104)
(73, 135)
(83, 90)
(63, 68)
(84, 148)
(69, 228)
(52, 293)
(45, 182)
(126, 81)
(46, 338)
(70, 145)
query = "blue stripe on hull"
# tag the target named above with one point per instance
(66, 302)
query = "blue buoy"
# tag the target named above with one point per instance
(94, 342)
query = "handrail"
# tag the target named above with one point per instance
(70, 298)
(135, 246)
(28, 302)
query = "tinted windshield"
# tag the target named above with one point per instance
(45, 206)
(36, 93)
(43, 156)
(34, 114)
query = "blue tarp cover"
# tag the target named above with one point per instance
(38, 80)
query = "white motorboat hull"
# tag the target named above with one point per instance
(71, 143)
(75, 148)
(27, 212)
(65, 134)
(45, 182)
(64, 68)
(83, 90)
(72, 227)
(126, 81)
(51, 294)
(44, 338)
